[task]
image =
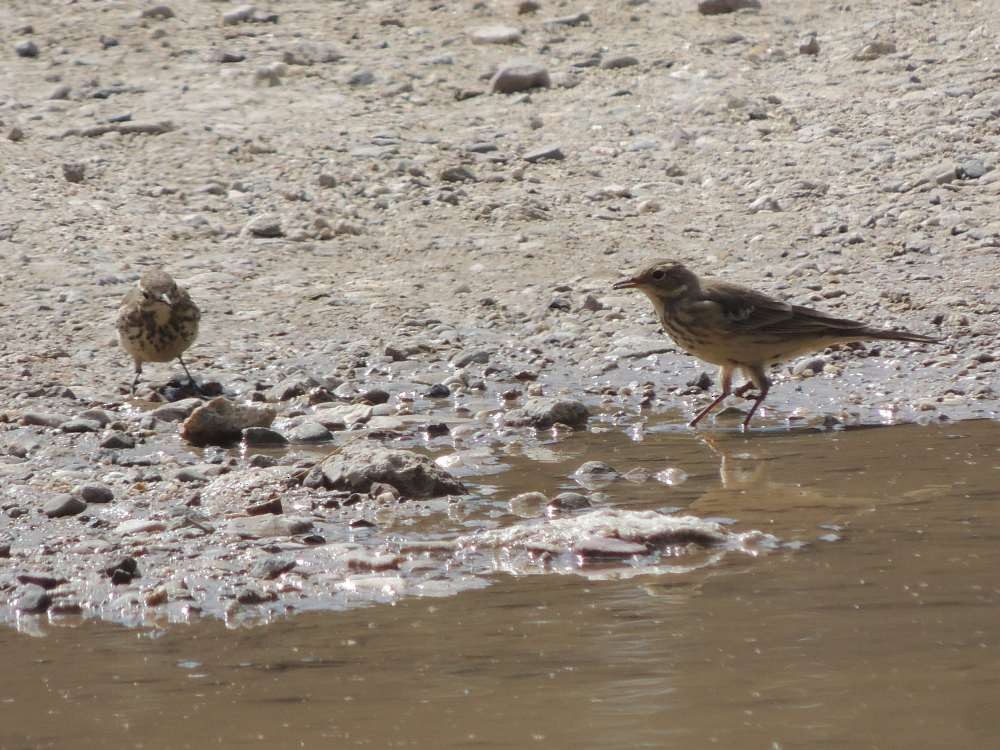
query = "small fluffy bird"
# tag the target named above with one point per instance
(157, 322)
(738, 328)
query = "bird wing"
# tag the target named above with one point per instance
(746, 310)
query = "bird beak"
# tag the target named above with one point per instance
(165, 298)
(626, 284)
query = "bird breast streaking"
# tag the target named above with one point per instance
(738, 328)
(157, 322)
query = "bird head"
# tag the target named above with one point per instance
(665, 279)
(157, 286)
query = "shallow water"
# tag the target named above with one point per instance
(873, 624)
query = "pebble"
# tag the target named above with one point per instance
(567, 501)
(545, 153)
(543, 413)
(718, 7)
(266, 226)
(259, 527)
(64, 505)
(238, 15)
(263, 436)
(177, 411)
(117, 441)
(44, 580)
(495, 35)
(222, 421)
(356, 466)
(81, 425)
(620, 61)
(139, 526)
(576, 19)
(438, 390)
(271, 506)
(809, 45)
(515, 76)
(874, 50)
(157, 12)
(464, 359)
(43, 419)
(27, 48)
(271, 567)
(309, 432)
(94, 492)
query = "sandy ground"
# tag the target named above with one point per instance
(348, 202)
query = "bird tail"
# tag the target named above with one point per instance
(884, 335)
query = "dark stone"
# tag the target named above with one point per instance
(272, 506)
(33, 600)
(271, 567)
(95, 492)
(438, 390)
(64, 505)
(44, 580)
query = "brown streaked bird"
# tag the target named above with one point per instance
(157, 322)
(738, 328)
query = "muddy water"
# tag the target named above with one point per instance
(874, 623)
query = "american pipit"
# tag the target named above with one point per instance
(157, 322)
(738, 328)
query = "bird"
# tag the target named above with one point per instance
(741, 329)
(157, 322)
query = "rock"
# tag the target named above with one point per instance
(358, 465)
(565, 501)
(528, 504)
(117, 441)
(266, 226)
(577, 19)
(100, 416)
(874, 50)
(438, 390)
(814, 365)
(43, 419)
(291, 388)
(198, 473)
(94, 492)
(305, 53)
(972, 169)
(81, 425)
(495, 35)
(309, 432)
(178, 410)
(271, 567)
(259, 527)
(718, 7)
(361, 562)
(222, 421)
(122, 571)
(464, 359)
(545, 153)
(27, 48)
(809, 45)
(376, 396)
(34, 600)
(341, 416)
(528, 6)
(765, 203)
(606, 548)
(241, 14)
(157, 12)
(139, 526)
(271, 506)
(4, 551)
(64, 505)
(596, 468)
(620, 61)
(458, 173)
(46, 581)
(515, 76)
(542, 413)
(263, 436)
(591, 303)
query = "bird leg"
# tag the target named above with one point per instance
(760, 381)
(135, 380)
(187, 372)
(727, 384)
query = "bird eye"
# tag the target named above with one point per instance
(659, 275)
